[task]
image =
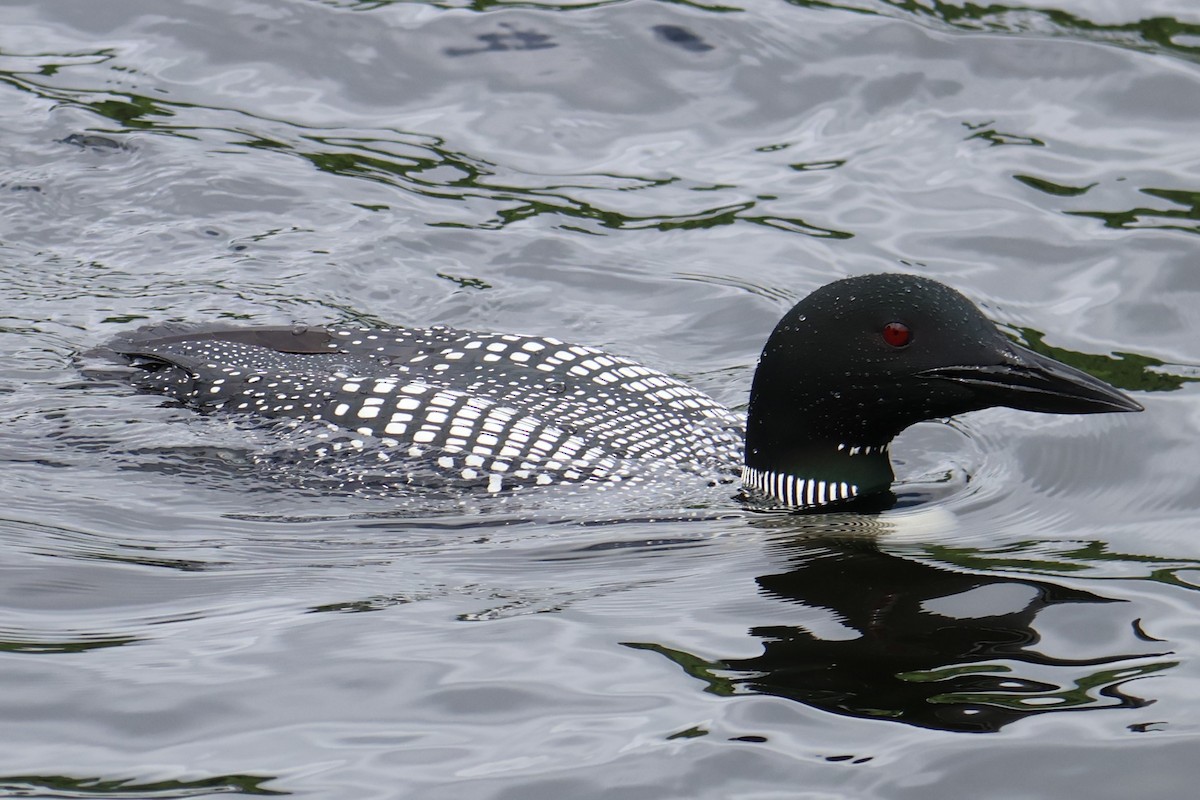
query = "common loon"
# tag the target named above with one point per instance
(847, 369)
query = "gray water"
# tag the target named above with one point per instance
(662, 180)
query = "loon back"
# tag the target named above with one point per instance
(499, 411)
(844, 371)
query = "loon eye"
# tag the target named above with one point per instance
(897, 334)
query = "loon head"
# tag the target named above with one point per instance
(861, 359)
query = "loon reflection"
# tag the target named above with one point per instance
(905, 640)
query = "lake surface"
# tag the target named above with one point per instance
(663, 180)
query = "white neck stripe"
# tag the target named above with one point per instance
(795, 491)
(863, 450)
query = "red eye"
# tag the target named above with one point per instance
(896, 334)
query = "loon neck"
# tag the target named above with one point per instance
(813, 423)
(818, 474)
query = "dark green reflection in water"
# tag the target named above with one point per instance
(426, 166)
(923, 643)
(493, 5)
(1128, 371)
(440, 173)
(62, 786)
(1186, 218)
(81, 645)
(995, 138)
(375, 603)
(1055, 189)
(818, 166)
(1158, 34)
(1073, 557)
(1154, 34)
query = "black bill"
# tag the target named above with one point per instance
(1033, 382)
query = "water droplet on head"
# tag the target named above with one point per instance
(385, 361)
(439, 327)
(299, 330)
(556, 387)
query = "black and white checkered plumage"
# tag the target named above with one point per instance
(497, 411)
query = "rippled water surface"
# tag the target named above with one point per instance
(663, 180)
